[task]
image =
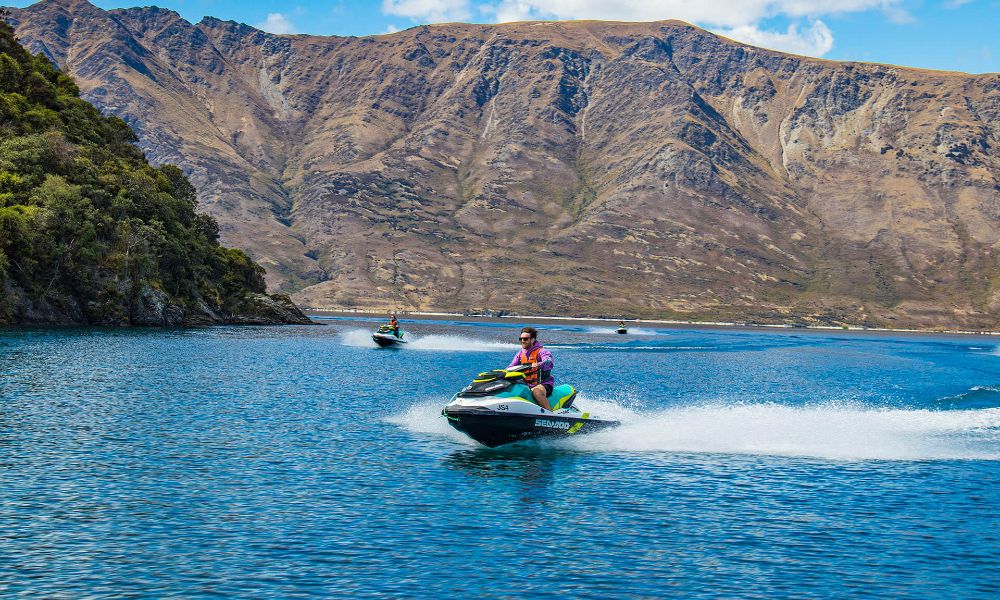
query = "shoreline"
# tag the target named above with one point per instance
(669, 324)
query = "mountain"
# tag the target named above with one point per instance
(584, 168)
(91, 233)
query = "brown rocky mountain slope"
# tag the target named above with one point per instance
(564, 167)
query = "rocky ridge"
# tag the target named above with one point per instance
(149, 308)
(586, 168)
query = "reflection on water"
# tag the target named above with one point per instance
(531, 467)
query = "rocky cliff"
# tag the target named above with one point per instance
(639, 169)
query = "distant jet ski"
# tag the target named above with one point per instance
(622, 330)
(386, 336)
(497, 408)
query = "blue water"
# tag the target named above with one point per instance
(303, 461)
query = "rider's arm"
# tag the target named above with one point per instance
(516, 361)
(545, 359)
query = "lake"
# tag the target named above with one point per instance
(304, 461)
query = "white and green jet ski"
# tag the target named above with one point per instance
(497, 408)
(386, 336)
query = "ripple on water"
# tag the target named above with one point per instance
(293, 462)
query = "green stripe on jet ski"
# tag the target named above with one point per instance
(576, 426)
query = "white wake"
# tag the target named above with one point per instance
(632, 331)
(362, 338)
(829, 431)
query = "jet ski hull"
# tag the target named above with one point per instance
(386, 340)
(491, 428)
(621, 330)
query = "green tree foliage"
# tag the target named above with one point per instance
(83, 216)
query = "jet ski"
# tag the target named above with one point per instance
(497, 408)
(385, 337)
(622, 330)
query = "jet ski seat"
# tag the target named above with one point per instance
(562, 397)
(388, 330)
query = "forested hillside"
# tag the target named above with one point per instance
(90, 232)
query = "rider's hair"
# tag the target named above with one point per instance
(530, 331)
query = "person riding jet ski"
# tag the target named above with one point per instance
(520, 402)
(389, 334)
(539, 377)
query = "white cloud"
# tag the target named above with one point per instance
(951, 4)
(738, 19)
(720, 13)
(391, 29)
(899, 16)
(428, 11)
(276, 23)
(817, 40)
(512, 10)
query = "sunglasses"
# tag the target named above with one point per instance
(528, 339)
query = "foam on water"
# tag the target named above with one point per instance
(831, 431)
(359, 338)
(626, 347)
(977, 396)
(611, 331)
(459, 343)
(362, 338)
(425, 419)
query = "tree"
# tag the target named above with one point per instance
(10, 73)
(138, 243)
(82, 211)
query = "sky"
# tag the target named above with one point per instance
(953, 35)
